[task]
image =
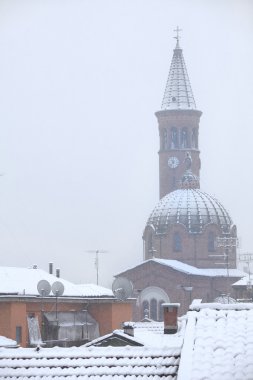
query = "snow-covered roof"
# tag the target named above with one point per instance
(91, 290)
(6, 342)
(23, 281)
(209, 272)
(245, 281)
(148, 334)
(94, 363)
(151, 334)
(218, 343)
(189, 269)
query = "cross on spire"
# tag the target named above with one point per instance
(177, 37)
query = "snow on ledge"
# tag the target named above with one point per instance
(221, 306)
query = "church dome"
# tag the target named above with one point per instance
(192, 208)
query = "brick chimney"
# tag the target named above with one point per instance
(170, 312)
(128, 328)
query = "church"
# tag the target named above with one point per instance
(189, 239)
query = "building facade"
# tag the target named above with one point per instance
(187, 226)
(80, 314)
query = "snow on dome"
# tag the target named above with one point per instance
(191, 207)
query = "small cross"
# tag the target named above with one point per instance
(177, 31)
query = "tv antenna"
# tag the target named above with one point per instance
(226, 245)
(57, 290)
(248, 258)
(122, 288)
(97, 252)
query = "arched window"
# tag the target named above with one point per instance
(160, 311)
(177, 242)
(150, 301)
(153, 309)
(211, 242)
(174, 138)
(164, 139)
(184, 138)
(150, 249)
(145, 309)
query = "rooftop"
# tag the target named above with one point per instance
(23, 281)
(215, 341)
(93, 363)
(189, 269)
(218, 343)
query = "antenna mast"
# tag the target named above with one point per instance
(226, 244)
(248, 258)
(97, 252)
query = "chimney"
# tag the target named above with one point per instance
(51, 268)
(170, 312)
(57, 272)
(128, 328)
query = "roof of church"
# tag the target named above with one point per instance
(189, 269)
(192, 208)
(178, 92)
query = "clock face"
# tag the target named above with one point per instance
(173, 162)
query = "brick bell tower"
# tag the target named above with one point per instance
(178, 123)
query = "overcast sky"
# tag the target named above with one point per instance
(79, 84)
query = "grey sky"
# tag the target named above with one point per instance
(79, 84)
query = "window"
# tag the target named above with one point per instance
(177, 242)
(211, 242)
(160, 311)
(150, 249)
(165, 139)
(174, 138)
(153, 309)
(18, 334)
(194, 138)
(184, 138)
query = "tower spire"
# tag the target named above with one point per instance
(178, 123)
(178, 92)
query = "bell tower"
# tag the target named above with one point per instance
(178, 122)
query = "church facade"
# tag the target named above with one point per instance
(188, 230)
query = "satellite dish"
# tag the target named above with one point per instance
(122, 288)
(44, 288)
(57, 288)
